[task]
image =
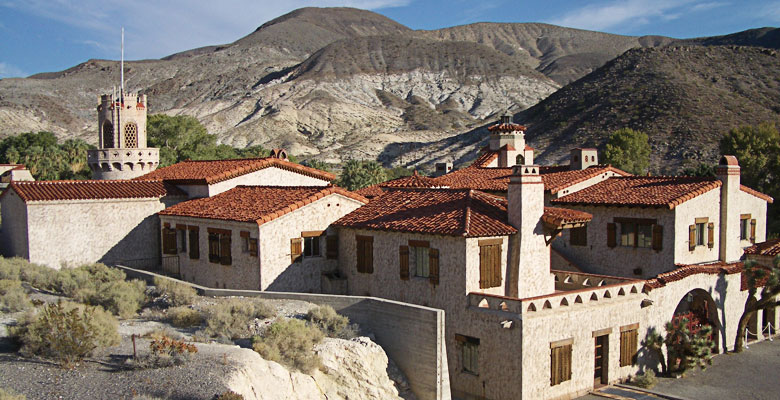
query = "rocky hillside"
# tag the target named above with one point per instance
(341, 83)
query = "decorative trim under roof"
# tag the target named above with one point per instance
(92, 190)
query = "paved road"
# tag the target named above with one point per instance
(752, 374)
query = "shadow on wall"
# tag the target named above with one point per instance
(304, 277)
(142, 242)
(720, 286)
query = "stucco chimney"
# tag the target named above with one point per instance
(728, 172)
(529, 266)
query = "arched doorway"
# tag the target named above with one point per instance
(699, 308)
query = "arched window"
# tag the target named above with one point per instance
(520, 160)
(108, 135)
(131, 135)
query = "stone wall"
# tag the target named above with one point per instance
(411, 335)
(270, 176)
(580, 185)
(13, 226)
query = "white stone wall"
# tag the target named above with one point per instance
(707, 206)
(13, 226)
(71, 233)
(270, 176)
(749, 204)
(582, 185)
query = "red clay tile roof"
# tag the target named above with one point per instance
(92, 190)
(213, 171)
(756, 193)
(559, 216)
(370, 192)
(412, 181)
(452, 212)
(769, 248)
(485, 158)
(255, 203)
(507, 127)
(555, 178)
(643, 191)
(683, 271)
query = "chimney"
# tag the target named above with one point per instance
(442, 168)
(728, 173)
(582, 158)
(529, 266)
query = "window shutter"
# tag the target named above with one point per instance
(169, 240)
(752, 231)
(370, 255)
(296, 249)
(433, 266)
(691, 237)
(611, 237)
(483, 267)
(658, 237)
(496, 265)
(253, 247)
(224, 250)
(194, 243)
(554, 368)
(403, 257)
(332, 244)
(711, 235)
(634, 346)
(566, 375)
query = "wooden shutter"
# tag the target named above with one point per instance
(752, 231)
(611, 235)
(296, 249)
(628, 347)
(369, 247)
(711, 235)
(496, 265)
(213, 247)
(560, 364)
(224, 250)
(332, 247)
(433, 266)
(658, 237)
(194, 243)
(253, 247)
(169, 241)
(365, 254)
(403, 256)
(691, 237)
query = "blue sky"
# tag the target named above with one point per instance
(51, 35)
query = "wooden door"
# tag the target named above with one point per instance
(600, 364)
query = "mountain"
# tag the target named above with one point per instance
(340, 83)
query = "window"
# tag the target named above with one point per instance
(628, 234)
(425, 261)
(194, 236)
(469, 353)
(365, 253)
(579, 236)
(248, 244)
(701, 233)
(628, 344)
(181, 238)
(169, 239)
(744, 226)
(700, 226)
(636, 232)
(296, 250)
(311, 243)
(219, 246)
(131, 135)
(490, 263)
(108, 135)
(419, 251)
(332, 247)
(560, 361)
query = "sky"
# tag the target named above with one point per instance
(53, 35)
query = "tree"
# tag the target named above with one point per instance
(359, 174)
(769, 291)
(687, 349)
(628, 150)
(45, 158)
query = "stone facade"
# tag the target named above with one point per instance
(14, 230)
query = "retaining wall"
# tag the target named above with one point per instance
(411, 335)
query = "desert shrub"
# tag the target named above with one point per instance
(290, 342)
(177, 293)
(99, 285)
(13, 297)
(67, 332)
(331, 323)
(38, 276)
(165, 351)
(183, 317)
(229, 395)
(6, 394)
(232, 318)
(646, 380)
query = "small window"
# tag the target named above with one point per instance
(194, 237)
(637, 232)
(469, 353)
(628, 234)
(560, 362)
(700, 228)
(311, 246)
(219, 246)
(181, 238)
(419, 257)
(644, 235)
(365, 253)
(248, 244)
(579, 236)
(169, 240)
(744, 227)
(628, 345)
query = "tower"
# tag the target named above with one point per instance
(508, 139)
(122, 152)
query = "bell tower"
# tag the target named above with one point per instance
(122, 150)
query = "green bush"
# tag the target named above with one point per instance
(646, 380)
(99, 285)
(6, 394)
(290, 342)
(177, 293)
(19, 269)
(183, 317)
(67, 332)
(331, 323)
(231, 318)
(13, 297)
(230, 395)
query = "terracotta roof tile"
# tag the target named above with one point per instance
(452, 212)
(485, 158)
(255, 203)
(643, 191)
(92, 190)
(683, 271)
(769, 248)
(213, 171)
(559, 216)
(506, 128)
(370, 192)
(756, 193)
(412, 181)
(555, 178)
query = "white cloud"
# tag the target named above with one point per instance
(158, 28)
(10, 71)
(708, 6)
(618, 13)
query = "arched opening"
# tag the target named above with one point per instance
(483, 304)
(564, 302)
(547, 305)
(520, 159)
(578, 300)
(700, 310)
(130, 135)
(108, 135)
(532, 307)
